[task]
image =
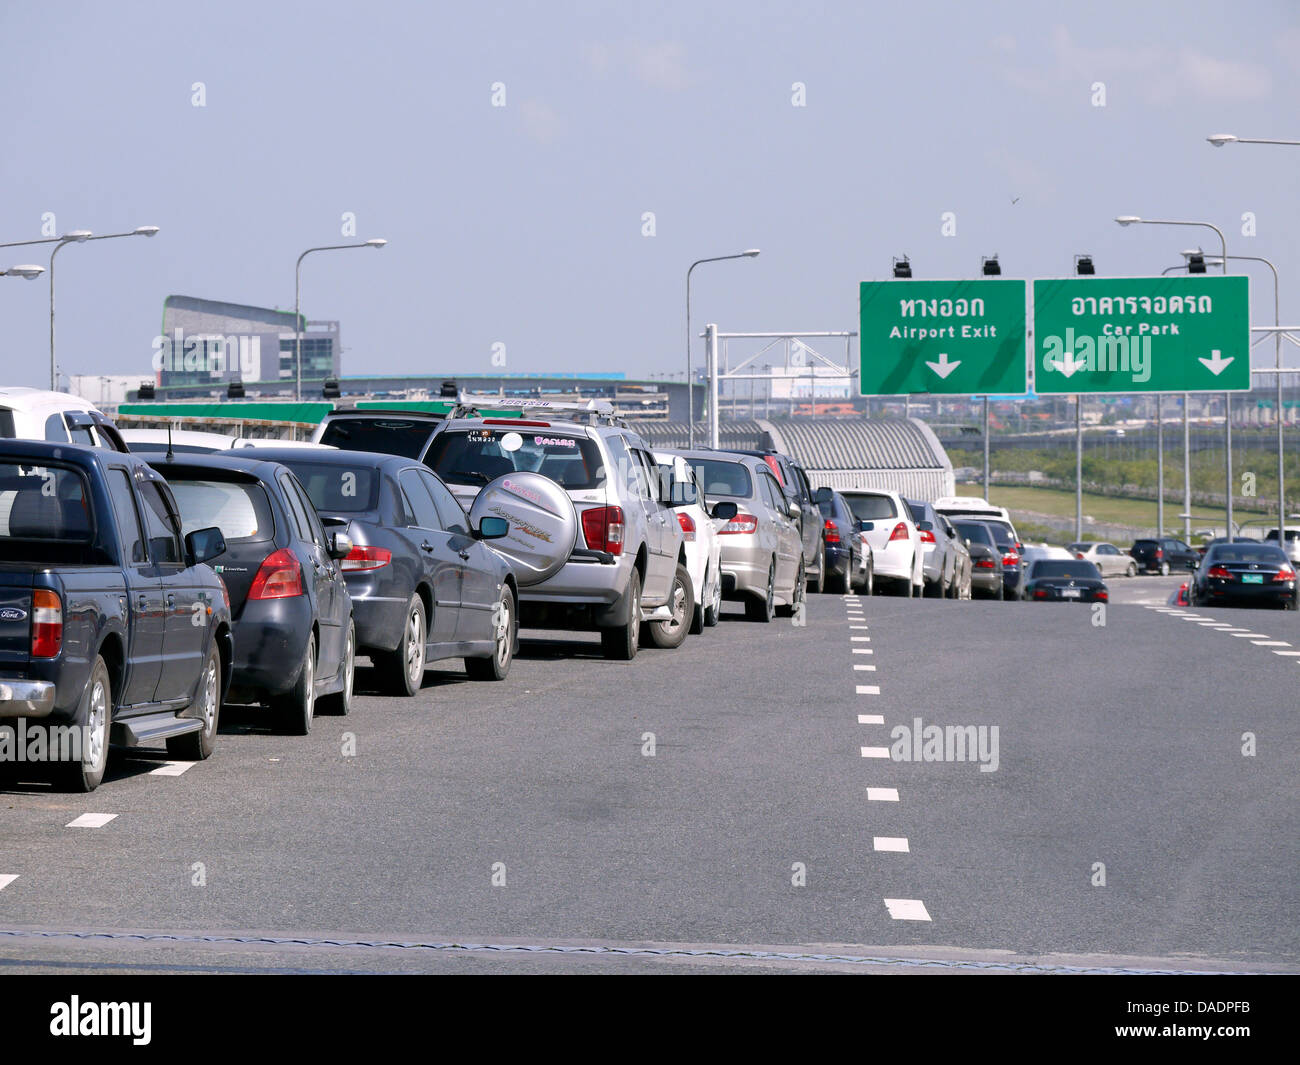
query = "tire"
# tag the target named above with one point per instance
(1293, 605)
(870, 587)
(763, 609)
(403, 668)
(297, 709)
(713, 612)
(840, 584)
(339, 703)
(1132, 570)
(95, 717)
(817, 584)
(1002, 593)
(798, 594)
(697, 612)
(1164, 569)
(196, 746)
(669, 634)
(497, 665)
(619, 644)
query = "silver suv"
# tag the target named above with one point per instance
(628, 564)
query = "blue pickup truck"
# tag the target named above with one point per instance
(112, 628)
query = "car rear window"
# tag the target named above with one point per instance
(381, 435)
(1240, 552)
(1001, 534)
(722, 478)
(974, 532)
(1076, 570)
(477, 456)
(47, 503)
(336, 488)
(1291, 534)
(240, 510)
(871, 507)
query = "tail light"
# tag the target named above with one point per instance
(1079, 555)
(365, 557)
(47, 623)
(984, 563)
(927, 536)
(831, 533)
(899, 533)
(1041, 593)
(741, 523)
(688, 525)
(1160, 553)
(1219, 571)
(1286, 573)
(1102, 596)
(279, 577)
(603, 529)
(1011, 559)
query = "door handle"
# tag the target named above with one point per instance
(463, 554)
(171, 602)
(142, 602)
(426, 546)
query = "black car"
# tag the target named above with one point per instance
(295, 642)
(1062, 580)
(846, 569)
(1163, 555)
(986, 570)
(424, 584)
(1244, 572)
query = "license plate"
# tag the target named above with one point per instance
(1252, 578)
(1071, 593)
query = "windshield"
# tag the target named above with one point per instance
(239, 510)
(382, 435)
(1076, 570)
(477, 456)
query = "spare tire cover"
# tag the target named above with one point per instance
(543, 524)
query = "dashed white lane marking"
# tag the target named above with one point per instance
(907, 909)
(882, 795)
(170, 769)
(1232, 628)
(871, 719)
(1288, 654)
(1250, 635)
(1216, 624)
(868, 689)
(6, 879)
(864, 669)
(90, 821)
(875, 752)
(1270, 643)
(891, 843)
(860, 639)
(857, 626)
(863, 651)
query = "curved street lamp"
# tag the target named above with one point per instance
(27, 271)
(751, 253)
(374, 242)
(1220, 139)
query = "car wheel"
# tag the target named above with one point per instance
(403, 668)
(713, 611)
(94, 716)
(496, 666)
(620, 643)
(871, 579)
(838, 583)
(196, 746)
(798, 595)
(339, 703)
(670, 634)
(697, 613)
(763, 609)
(1164, 569)
(818, 583)
(297, 709)
(1132, 570)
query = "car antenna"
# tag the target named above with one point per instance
(171, 456)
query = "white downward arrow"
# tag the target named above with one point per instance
(1069, 366)
(943, 367)
(1216, 363)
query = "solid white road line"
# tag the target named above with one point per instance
(891, 843)
(875, 752)
(868, 689)
(882, 795)
(6, 879)
(907, 909)
(90, 821)
(170, 769)
(870, 719)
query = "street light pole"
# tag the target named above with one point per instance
(1220, 139)
(376, 242)
(690, 377)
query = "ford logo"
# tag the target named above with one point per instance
(12, 613)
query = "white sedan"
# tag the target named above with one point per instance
(1109, 559)
(702, 544)
(895, 541)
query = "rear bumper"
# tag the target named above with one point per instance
(270, 642)
(744, 571)
(1282, 592)
(26, 698)
(379, 621)
(839, 558)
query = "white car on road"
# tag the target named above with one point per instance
(702, 544)
(35, 414)
(894, 538)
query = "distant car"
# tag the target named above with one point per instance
(850, 565)
(793, 479)
(294, 635)
(985, 556)
(198, 442)
(939, 557)
(1245, 572)
(896, 547)
(1109, 559)
(1178, 597)
(702, 544)
(425, 583)
(1164, 555)
(1291, 543)
(961, 586)
(35, 414)
(1064, 580)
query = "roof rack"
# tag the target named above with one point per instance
(593, 411)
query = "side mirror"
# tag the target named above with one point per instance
(823, 495)
(204, 544)
(968, 541)
(865, 526)
(924, 526)
(493, 528)
(340, 546)
(725, 511)
(793, 509)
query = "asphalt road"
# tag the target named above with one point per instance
(1119, 741)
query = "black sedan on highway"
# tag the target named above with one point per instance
(292, 617)
(1060, 580)
(424, 584)
(846, 569)
(1245, 573)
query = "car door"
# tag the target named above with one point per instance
(442, 562)
(810, 524)
(789, 549)
(333, 604)
(480, 589)
(660, 567)
(178, 592)
(142, 608)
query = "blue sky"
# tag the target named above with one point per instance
(522, 225)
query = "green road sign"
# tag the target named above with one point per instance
(942, 337)
(1142, 334)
